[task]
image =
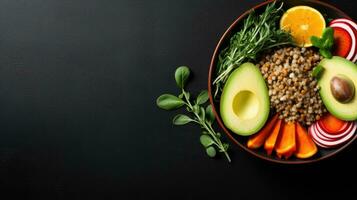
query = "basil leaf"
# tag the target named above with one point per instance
(181, 76)
(169, 102)
(316, 41)
(328, 43)
(181, 119)
(206, 140)
(317, 71)
(327, 33)
(209, 114)
(325, 53)
(211, 151)
(202, 97)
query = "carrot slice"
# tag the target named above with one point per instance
(257, 140)
(270, 142)
(331, 123)
(305, 147)
(286, 145)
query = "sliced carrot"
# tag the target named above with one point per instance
(286, 144)
(305, 147)
(331, 123)
(257, 140)
(270, 142)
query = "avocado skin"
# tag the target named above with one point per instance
(334, 67)
(247, 77)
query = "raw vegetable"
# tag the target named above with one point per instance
(343, 42)
(332, 124)
(352, 33)
(259, 32)
(210, 139)
(324, 43)
(353, 26)
(244, 104)
(271, 141)
(333, 136)
(326, 140)
(305, 147)
(257, 140)
(286, 143)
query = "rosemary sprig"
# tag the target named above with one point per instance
(203, 116)
(259, 32)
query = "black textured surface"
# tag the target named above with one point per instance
(78, 83)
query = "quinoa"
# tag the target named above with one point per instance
(293, 92)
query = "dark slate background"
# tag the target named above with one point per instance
(78, 83)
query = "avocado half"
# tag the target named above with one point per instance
(244, 104)
(337, 66)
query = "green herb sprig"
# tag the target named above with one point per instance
(203, 116)
(325, 43)
(258, 33)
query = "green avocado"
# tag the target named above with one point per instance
(347, 71)
(245, 105)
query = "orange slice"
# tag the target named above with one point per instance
(303, 22)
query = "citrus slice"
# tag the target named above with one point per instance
(303, 22)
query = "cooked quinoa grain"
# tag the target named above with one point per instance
(293, 91)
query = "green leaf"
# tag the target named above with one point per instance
(181, 76)
(187, 95)
(169, 102)
(327, 33)
(180, 96)
(325, 53)
(211, 151)
(316, 41)
(206, 140)
(317, 71)
(209, 114)
(202, 114)
(181, 119)
(328, 43)
(196, 109)
(202, 97)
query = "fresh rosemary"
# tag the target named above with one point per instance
(259, 32)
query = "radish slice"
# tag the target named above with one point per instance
(343, 128)
(312, 134)
(344, 20)
(352, 24)
(332, 136)
(352, 53)
(336, 142)
(320, 135)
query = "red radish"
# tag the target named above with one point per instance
(342, 129)
(332, 124)
(347, 21)
(342, 42)
(316, 136)
(331, 136)
(312, 134)
(353, 26)
(341, 140)
(351, 55)
(319, 134)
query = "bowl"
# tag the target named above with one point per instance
(241, 141)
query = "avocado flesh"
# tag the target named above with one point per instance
(333, 67)
(244, 104)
